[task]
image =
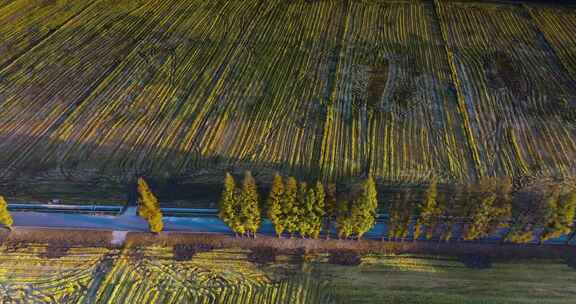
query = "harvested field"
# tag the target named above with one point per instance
(157, 274)
(147, 275)
(96, 93)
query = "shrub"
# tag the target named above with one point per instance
(185, 252)
(344, 257)
(55, 251)
(262, 255)
(476, 261)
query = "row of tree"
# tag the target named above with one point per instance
(298, 208)
(480, 209)
(466, 212)
(238, 207)
(547, 209)
(476, 209)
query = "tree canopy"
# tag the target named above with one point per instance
(148, 207)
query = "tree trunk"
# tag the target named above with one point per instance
(328, 230)
(571, 237)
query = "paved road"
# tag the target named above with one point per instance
(129, 221)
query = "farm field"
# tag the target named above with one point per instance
(161, 275)
(96, 93)
(427, 279)
(147, 275)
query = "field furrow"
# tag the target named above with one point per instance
(392, 104)
(558, 25)
(402, 90)
(84, 55)
(512, 86)
(202, 109)
(26, 23)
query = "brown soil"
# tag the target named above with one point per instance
(345, 257)
(377, 78)
(262, 255)
(56, 237)
(509, 76)
(192, 242)
(185, 252)
(55, 251)
(298, 246)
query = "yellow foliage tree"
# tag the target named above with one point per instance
(148, 207)
(5, 217)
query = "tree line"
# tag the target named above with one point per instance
(466, 212)
(477, 210)
(298, 208)
(460, 212)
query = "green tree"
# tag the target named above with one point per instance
(560, 215)
(400, 216)
(344, 221)
(452, 210)
(330, 207)
(238, 223)
(275, 201)
(318, 210)
(503, 204)
(148, 207)
(480, 217)
(567, 210)
(520, 234)
(304, 209)
(249, 210)
(427, 210)
(5, 217)
(527, 207)
(227, 204)
(488, 207)
(364, 208)
(534, 207)
(435, 219)
(395, 212)
(289, 207)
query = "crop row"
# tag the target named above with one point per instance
(557, 25)
(28, 277)
(146, 275)
(400, 90)
(214, 277)
(510, 88)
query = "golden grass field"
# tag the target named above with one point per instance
(94, 91)
(150, 274)
(147, 275)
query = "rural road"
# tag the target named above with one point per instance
(130, 221)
